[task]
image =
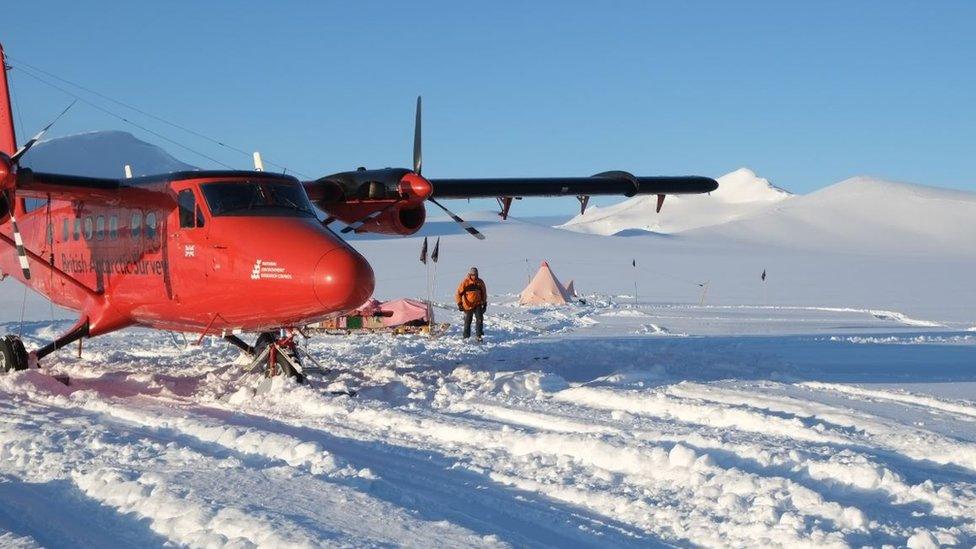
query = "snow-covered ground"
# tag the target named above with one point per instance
(601, 424)
(832, 405)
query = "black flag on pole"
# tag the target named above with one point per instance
(763, 277)
(437, 250)
(423, 252)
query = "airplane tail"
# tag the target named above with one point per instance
(8, 137)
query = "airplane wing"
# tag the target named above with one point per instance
(391, 200)
(615, 183)
(31, 184)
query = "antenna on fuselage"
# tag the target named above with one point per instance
(128, 171)
(258, 163)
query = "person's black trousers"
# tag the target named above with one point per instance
(479, 314)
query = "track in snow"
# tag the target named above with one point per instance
(527, 441)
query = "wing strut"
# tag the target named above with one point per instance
(49, 267)
(584, 200)
(505, 203)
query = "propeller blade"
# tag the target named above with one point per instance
(356, 225)
(418, 158)
(19, 242)
(467, 226)
(27, 146)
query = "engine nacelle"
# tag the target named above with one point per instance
(398, 219)
(394, 197)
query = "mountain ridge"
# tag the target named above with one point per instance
(102, 154)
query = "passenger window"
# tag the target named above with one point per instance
(100, 228)
(136, 224)
(188, 205)
(77, 232)
(151, 225)
(31, 204)
(113, 227)
(89, 228)
(65, 230)
(200, 220)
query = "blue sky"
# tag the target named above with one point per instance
(806, 95)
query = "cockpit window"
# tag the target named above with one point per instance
(257, 198)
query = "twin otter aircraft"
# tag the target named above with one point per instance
(227, 252)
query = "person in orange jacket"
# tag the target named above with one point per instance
(472, 299)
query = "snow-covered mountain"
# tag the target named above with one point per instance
(859, 215)
(740, 194)
(101, 154)
(864, 215)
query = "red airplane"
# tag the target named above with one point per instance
(227, 252)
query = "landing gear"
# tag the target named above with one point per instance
(13, 355)
(280, 355)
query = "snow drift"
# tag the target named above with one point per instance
(740, 193)
(864, 214)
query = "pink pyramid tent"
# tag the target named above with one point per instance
(544, 289)
(404, 311)
(570, 289)
(371, 307)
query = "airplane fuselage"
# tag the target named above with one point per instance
(194, 252)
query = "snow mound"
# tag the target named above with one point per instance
(652, 329)
(865, 214)
(744, 186)
(740, 193)
(101, 154)
(528, 384)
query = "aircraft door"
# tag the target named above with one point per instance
(187, 255)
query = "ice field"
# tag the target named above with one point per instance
(833, 404)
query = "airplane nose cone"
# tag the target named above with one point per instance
(343, 280)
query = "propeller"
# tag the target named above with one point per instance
(356, 225)
(15, 159)
(8, 195)
(464, 224)
(18, 239)
(418, 157)
(418, 160)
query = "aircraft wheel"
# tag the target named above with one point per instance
(284, 366)
(13, 355)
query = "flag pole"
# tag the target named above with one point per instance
(423, 259)
(765, 296)
(430, 303)
(434, 257)
(634, 263)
